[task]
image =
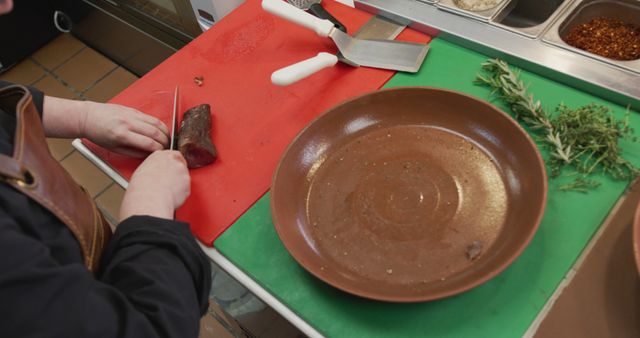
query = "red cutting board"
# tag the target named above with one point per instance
(253, 120)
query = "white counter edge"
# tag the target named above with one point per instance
(260, 292)
(82, 149)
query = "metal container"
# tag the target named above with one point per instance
(428, 1)
(486, 15)
(584, 11)
(529, 17)
(587, 74)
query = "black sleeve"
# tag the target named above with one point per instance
(153, 282)
(38, 96)
(152, 258)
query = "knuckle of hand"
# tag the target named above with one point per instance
(123, 121)
(152, 145)
(120, 133)
(157, 134)
(182, 169)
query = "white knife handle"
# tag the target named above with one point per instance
(298, 71)
(296, 15)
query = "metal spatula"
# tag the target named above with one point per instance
(376, 28)
(314, 7)
(395, 55)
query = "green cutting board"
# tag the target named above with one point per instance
(504, 306)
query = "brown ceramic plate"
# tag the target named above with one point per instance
(409, 194)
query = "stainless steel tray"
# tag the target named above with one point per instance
(486, 15)
(529, 17)
(583, 11)
(566, 65)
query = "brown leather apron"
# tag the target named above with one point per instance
(33, 171)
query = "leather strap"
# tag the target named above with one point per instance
(33, 171)
(10, 169)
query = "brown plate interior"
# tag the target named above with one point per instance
(409, 194)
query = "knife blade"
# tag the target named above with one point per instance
(174, 121)
(314, 7)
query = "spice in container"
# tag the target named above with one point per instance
(476, 5)
(608, 37)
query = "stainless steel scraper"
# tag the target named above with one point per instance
(394, 55)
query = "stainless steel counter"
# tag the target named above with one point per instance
(517, 46)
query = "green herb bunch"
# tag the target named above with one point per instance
(584, 139)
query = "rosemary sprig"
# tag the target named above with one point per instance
(585, 139)
(507, 85)
(594, 131)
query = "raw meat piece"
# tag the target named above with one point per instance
(194, 137)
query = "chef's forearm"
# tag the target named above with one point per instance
(140, 203)
(64, 118)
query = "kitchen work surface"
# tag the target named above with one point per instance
(505, 306)
(253, 120)
(603, 298)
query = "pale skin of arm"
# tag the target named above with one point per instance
(6, 6)
(115, 127)
(161, 183)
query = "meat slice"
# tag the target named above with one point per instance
(194, 137)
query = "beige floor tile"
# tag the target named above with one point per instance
(59, 147)
(58, 51)
(280, 328)
(263, 322)
(26, 73)
(53, 87)
(109, 201)
(111, 85)
(211, 328)
(86, 174)
(85, 69)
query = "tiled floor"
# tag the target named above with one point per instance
(67, 68)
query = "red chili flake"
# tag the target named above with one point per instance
(608, 37)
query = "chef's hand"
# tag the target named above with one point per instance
(118, 128)
(124, 130)
(158, 187)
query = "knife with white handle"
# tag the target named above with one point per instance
(385, 54)
(377, 27)
(289, 12)
(314, 7)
